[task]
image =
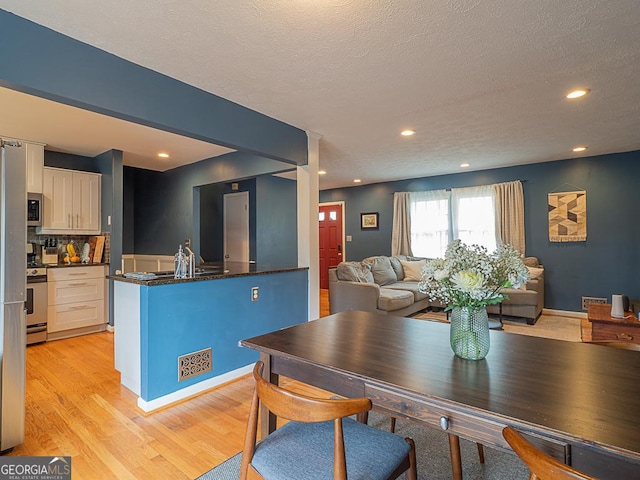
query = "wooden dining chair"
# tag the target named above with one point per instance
(319, 442)
(541, 465)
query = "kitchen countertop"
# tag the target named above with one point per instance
(210, 271)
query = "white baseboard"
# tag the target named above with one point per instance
(564, 313)
(192, 390)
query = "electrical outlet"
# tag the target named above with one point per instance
(587, 300)
(255, 294)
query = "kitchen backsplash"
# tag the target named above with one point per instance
(61, 242)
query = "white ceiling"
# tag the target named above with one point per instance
(481, 81)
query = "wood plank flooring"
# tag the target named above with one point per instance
(76, 406)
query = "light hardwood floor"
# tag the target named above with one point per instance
(76, 406)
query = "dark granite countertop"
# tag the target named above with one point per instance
(210, 271)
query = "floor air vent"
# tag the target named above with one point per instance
(195, 363)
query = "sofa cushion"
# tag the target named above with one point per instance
(383, 273)
(413, 270)
(535, 273)
(354, 272)
(520, 297)
(392, 299)
(397, 266)
(410, 287)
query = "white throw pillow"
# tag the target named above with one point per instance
(413, 270)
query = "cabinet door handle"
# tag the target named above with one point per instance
(69, 221)
(624, 336)
(77, 284)
(77, 307)
(77, 274)
(77, 220)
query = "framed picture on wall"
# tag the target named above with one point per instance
(369, 221)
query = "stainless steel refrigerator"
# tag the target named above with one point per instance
(13, 240)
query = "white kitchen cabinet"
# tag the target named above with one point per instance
(76, 297)
(71, 201)
(35, 164)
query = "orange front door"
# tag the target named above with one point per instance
(330, 227)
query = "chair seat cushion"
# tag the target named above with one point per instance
(391, 299)
(304, 451)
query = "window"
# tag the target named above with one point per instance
(438, 217)
(429, 223)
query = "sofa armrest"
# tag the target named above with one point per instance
(353, 296)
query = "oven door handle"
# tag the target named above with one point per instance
(41, 327)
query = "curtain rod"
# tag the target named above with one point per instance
(449, 189)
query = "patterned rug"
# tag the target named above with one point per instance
(547, 326)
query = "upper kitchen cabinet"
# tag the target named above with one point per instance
(71, 202)
(35, 164)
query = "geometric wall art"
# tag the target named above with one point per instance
(568, 216)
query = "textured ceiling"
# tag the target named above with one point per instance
(481, 81)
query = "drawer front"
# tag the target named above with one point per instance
(71, 291)
(76, 315)
(484, 431)
(75, 273)
(622, 333)
(480, 430)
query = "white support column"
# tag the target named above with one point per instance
(308, 241)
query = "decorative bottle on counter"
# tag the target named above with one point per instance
(180, 264)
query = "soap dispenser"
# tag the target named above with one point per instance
(180, 264)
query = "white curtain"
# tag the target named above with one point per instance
(473, 211)
(401, 231)
(510, 214)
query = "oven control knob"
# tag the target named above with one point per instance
(34, 271)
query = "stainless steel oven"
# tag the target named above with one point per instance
(36, 304)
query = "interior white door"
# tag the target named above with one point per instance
(236, 227)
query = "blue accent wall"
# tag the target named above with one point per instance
(164, 202)
(276, 222)
(186, 317)
(607, 263)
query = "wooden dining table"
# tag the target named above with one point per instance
(578, 402)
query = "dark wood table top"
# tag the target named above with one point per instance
(590, 393)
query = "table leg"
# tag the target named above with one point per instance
(456, 459)
(267, 419)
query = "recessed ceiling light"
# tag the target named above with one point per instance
(464, 165)
(356, 180)
(407, 133)
(322, 172)
(579, 149)
(581, 92)
(163, 155)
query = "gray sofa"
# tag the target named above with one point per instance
(389, 285)
(526, 302)
(378, 284)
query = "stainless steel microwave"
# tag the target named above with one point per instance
(34, 209)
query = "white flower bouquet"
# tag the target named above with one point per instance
(468, 276)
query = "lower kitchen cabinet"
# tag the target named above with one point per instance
(77, 297)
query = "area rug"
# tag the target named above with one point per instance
(547, 326)
(432, 450)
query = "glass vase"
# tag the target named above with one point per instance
(470, 332)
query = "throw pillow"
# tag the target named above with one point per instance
(534, 272)
(413, 270)
(397, 266)
(354, 272)
(383, 273)
(530, 261)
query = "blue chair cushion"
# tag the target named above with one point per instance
(304, 451)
